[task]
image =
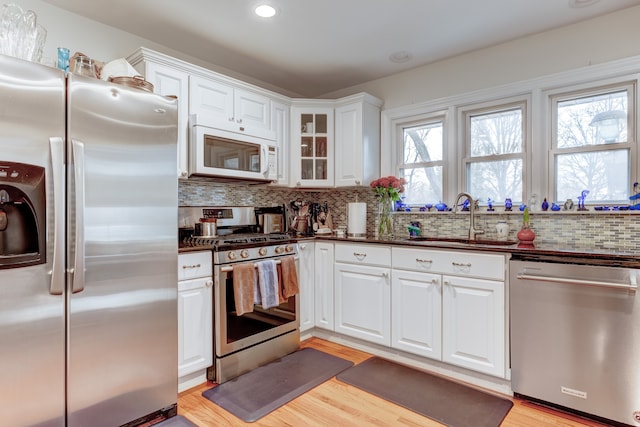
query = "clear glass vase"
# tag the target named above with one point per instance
(385, 222)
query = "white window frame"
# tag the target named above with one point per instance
(424, 119)
(464, 140)
(595, 87)
(537, 178)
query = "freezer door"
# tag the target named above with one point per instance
(122, 343)
(32, 340)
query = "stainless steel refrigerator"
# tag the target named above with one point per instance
(88, 250)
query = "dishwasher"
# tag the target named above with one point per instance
(575, 335)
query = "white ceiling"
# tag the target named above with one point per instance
(315, 47)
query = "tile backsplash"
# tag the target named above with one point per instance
(606, 230)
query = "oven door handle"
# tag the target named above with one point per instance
(228, 269)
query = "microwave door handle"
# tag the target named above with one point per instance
(265, 162)
(56, 147)
(77, 271)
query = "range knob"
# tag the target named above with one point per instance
(244, 253)
(231, 255)
(279, 249)
(288, 248)
(262, 251)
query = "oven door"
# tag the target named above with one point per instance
(233, 332)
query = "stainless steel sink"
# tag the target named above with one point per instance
(461, 241)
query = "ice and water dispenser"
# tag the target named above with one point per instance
(22, 215)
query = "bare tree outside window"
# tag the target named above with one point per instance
(591, 149)
(495, 155)
(422, 165)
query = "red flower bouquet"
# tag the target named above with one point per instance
(388, 187)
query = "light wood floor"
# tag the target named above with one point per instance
(334, 404)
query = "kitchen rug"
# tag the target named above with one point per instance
(445, 401)
(177, 421)
(255, 394)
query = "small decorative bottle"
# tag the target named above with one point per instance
(545, 204)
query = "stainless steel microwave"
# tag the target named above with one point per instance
(231, 156)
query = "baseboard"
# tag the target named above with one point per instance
(488, 382)
(191, 380)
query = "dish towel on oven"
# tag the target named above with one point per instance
(244, 284)
(268, 284)
(289, 276)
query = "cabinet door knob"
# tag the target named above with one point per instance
(303, 246)
(357, 182)
(209, 283)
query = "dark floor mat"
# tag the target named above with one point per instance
(253, 395)
(445, 401)
(177, 421)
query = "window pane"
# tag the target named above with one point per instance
(605, 174)
(423, 143)
(591, 120)
(497, 180)
(424, 185)
(496, 133)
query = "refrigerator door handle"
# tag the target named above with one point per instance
(77, 272)
(56, 148)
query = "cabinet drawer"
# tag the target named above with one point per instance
(194, 264)
(460, 263)
(363, 254)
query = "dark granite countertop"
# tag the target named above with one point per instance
(542, 250)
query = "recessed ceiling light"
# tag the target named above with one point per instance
(401, 56)
(582, 3)
(265, 11)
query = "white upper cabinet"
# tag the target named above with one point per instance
(322, 143)
(335, 143)
(280, 124)
(169, 81)
(357, 140)
(312, 146)
(226, 107)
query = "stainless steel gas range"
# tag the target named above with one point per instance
(246, 341)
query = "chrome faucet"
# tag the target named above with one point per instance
(472, 219)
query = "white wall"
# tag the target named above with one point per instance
(603, 39)
(105, 43)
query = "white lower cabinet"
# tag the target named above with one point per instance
(458, 319)
(306, 280)
(195, 321)
(194, 325)
(363, 302)
(416, 313)
(324, 285)
(363, 291)
(473, 324)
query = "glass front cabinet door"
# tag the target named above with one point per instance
(312, 145)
